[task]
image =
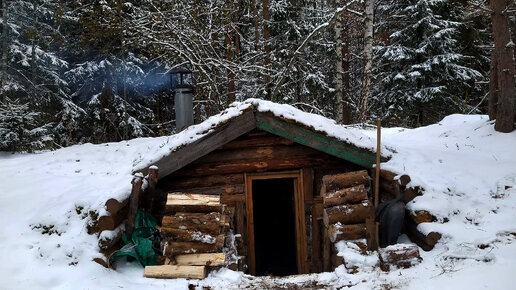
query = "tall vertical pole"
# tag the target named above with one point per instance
(377, 173)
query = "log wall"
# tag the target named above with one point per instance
(222, 173)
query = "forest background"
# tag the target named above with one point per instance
(98, 71)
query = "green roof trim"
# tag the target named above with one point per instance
(319, 141)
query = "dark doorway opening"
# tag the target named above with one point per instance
(274, 226)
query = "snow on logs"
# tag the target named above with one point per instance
(193, 231)
(346, 206)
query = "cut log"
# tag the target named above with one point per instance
(108, 239)
(347, 214)
(113, 206)
(344, 180)
(189, 202)
(422, 216)
(411, 193)
(109, 223)
(175, 271)
(426, 242)
(338, 232)
(207, 223)
(171, 248)
(401, 256)
(188, 235)
(388, 175)
(206, 259)
(353, 194)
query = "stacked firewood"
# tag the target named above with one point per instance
(346, 208)
(193, 231)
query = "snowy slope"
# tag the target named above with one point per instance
(468, 172)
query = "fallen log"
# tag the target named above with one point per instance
(190, 202)
(113, 206)
(338, 232)
(209, 223)
(347, 214)
(172, 248)
(205, 259)
(353, 194)
(344, 180)
(175, 271)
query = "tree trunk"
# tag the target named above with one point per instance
(503, 55)
(4, 35)
(255, 24)
(368, 60)
(228, 40)
(339, 91)
(266, 36)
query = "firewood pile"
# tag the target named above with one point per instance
(345, 209)
(193, 230)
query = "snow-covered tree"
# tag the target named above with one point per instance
(21, 129)
(421, 74)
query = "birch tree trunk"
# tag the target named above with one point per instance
(368, 60)
(504, 54)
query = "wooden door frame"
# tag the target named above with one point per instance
(299, 205)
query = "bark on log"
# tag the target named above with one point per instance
(150, 195)
(388, 175)
(353, 194)
(344, 180)
(411, 193)
(188, 235)
(426, 242)
(205, 181)
(175, 271)
(113, 206)
(134, 202)
(422, 216)
(207, 223)
(109, 223)
(190, 202)
(214, 190)
(397, 253)
(108, 243)
(347, 214)
(232, 199)
(171, 248)
(338, 232)
(206, 259)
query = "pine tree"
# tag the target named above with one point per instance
(421, 74)
(20, 128)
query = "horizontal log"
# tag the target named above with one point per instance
(388, 175)
(257, 141)
(111, 222)
(214, 190)
(411, 193)
(249, 166)
(205, 259)
(338, 232)
(353, 194)
(113, 206)
(190, 202)
(173, 181)
(396, 253)
(347, 214)
(257, 153)
(172, 248)
(231, 199)
(344, 180)
(426, 242)
(422, 216)
(115, 236)
(188, 235)
(209, 223)
(175, 271)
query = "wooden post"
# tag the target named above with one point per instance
(150, 195)
(134, 201)
(371, 225)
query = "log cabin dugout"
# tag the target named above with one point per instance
(253, 146)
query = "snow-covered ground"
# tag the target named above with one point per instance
(467, 169)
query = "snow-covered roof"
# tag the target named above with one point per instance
(349, 136)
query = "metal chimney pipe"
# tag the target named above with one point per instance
(184, 108)
(183, 83)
